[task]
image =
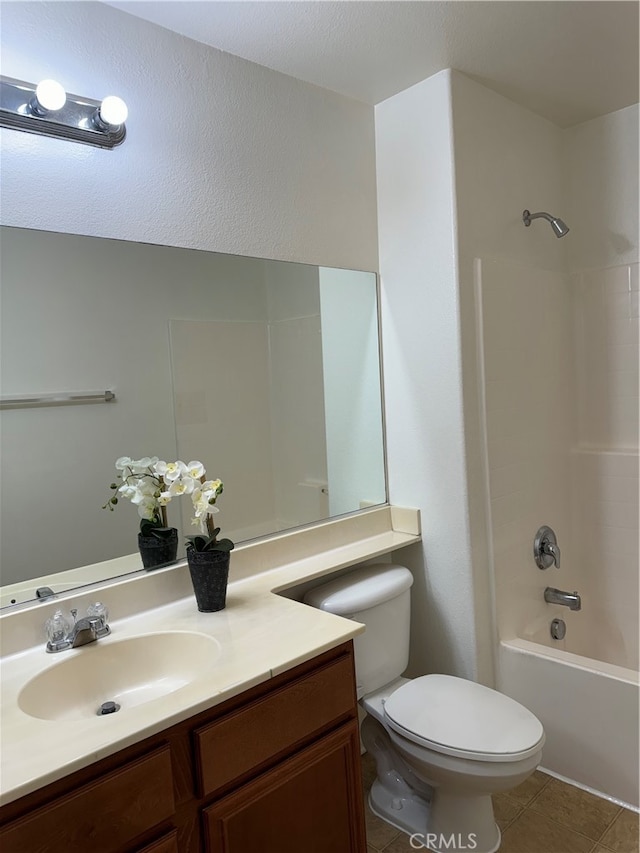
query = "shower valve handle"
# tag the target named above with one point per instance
(546, 550)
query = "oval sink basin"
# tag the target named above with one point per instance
(128, 672)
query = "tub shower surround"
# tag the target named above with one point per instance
(561, 437)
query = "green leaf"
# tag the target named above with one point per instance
(198, 543)
(222, 545)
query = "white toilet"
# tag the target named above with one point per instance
(442, 745)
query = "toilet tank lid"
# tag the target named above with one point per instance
(360, 589)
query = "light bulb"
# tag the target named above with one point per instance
(50, 96)
(113, 110)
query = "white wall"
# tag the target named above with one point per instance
(351, 370)
(220, 153)
(86, 314)
(422, 367)
(601, 168)
(222, 400)
(297, 410)
(601, 161)
(506, 159)
(529, 401)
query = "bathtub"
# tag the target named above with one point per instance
(589, 710)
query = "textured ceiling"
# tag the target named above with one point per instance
(568, 61)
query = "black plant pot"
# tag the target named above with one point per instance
(209, 575)
(158, 551)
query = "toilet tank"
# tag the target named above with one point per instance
(378, 596)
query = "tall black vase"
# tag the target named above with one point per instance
(158, 551)
(209, 575)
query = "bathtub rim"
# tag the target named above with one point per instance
(597, 667)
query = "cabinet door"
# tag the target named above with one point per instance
(311, 802)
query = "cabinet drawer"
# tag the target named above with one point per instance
(247, 738)
(167, 844)
(100, 816)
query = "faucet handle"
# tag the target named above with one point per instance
(57, 627)
(98, 610)
(97, 615)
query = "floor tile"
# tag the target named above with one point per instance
(505, 810)
(575, 808)
(402, 844)
(530, 788)
(379, 832)
(622, 835)
(532, 832)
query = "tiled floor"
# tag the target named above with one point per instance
(543, 815)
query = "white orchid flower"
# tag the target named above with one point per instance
(139, 497)
(202, 505)
(147, 486)
(147, 508)
(183, 486)
(123, 462)
(170, 471)
(212, 488)
(195, 470)
(139, 466)
(127, 490)
(164, 498)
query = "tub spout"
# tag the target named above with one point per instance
(567, 599)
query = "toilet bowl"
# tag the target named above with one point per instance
(462, 742)
(442, 745)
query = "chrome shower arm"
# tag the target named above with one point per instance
(527, 217)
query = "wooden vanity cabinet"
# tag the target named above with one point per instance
(275, 769)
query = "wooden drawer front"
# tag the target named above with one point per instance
(311, 802)
(99, 817)
(245, 739)
(167, 844)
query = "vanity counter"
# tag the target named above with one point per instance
(258, 636)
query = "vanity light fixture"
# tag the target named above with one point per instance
(48, 110)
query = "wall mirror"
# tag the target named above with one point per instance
(268, 372)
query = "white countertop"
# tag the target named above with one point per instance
(260, 634)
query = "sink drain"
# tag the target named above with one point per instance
(108, 708)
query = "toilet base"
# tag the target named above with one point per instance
(430, 824)
(407, 813)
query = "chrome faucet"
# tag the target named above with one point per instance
(546, 549)
(567, 599)
(86, 630)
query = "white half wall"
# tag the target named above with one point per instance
(422, 367)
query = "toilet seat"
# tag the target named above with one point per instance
(464, 719)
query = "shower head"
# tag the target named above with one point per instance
(558, 226)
